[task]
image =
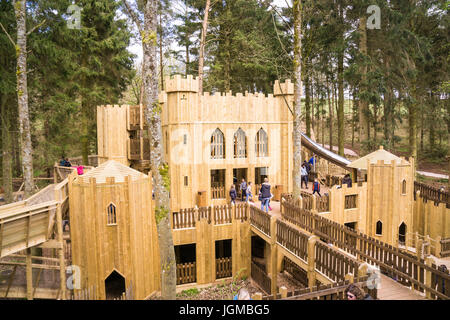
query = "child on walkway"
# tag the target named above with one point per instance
(233, 194)
(316, 187)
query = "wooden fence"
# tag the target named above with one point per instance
(307, 200)
(351, 201)
(323, 203)
(335, 291)
(83, 294)
(260, 220)
(335, 265)
(218, 192)
(223, 214)
(333, 180)
(445, 247)
(293, 239)
(186, 273)
(431, 193)
(241, 211)
(261, 278)
(184, 219)
(392, 261)
(224, 268)
(295, 271)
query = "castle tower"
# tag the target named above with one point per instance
(390, 195)
(113, 231)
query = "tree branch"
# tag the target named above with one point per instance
(133, 15)
(37, 26)
(7, 34)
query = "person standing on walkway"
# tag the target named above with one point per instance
(316, 187)
(265, 195)
(249, 195)
(243, 189)
(304, 175)
(233, 194)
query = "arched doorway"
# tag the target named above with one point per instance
(114, 285)
(402, 233)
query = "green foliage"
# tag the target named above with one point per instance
(190, 292)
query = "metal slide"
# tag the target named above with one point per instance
(324, 153)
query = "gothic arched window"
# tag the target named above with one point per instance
(217, 145)
(261, 143)
(240, 144)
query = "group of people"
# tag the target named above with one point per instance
(246, 193)
(64, 162)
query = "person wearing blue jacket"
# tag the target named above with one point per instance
(233, 194)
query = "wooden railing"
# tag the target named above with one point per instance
(139, 149)
(333, 180)
(205, 213)
(299, 216)
(83, 294)
(445, 247)
(224, 268)
(335, 291)
(260, 220)
(186, 273)
(295, 271)
(222, 214)
(261, 278)
(333, 264)
(218, 192)
(293, 239)
(351, 201)
(307, 200)
(431, 193)
(184, 219)
(407, 268)
(323, 204)
(241, 211)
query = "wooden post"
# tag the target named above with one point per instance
(419, 249)
(428, 241)
(350, 277)
(429, 262)
(29, 272)
(257, 296)
(312, 261)
(438, 247)
(60, 239)
(362, 271)
(283, 292)
(273, 255)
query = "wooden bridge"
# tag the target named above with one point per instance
(34, 223)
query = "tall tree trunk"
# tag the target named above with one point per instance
(412, 116)
(160, 170)
(330, 110)
(364, 130)
(308, 105)
(201, 59)
(297, 143)
(161, 58)
(355, 105)
(340, 113)
(6, 150)
(22, 94)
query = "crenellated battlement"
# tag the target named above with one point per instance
(284, 88)
(177, 83)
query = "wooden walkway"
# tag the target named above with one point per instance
(389, 289)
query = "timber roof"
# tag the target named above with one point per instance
(374, 157)
(113, 169)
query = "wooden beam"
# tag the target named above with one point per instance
(11, 277)
(1, 237)
(29, 272)
(35, 266)
(50, 244)
(37, 281)
(28, 231)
